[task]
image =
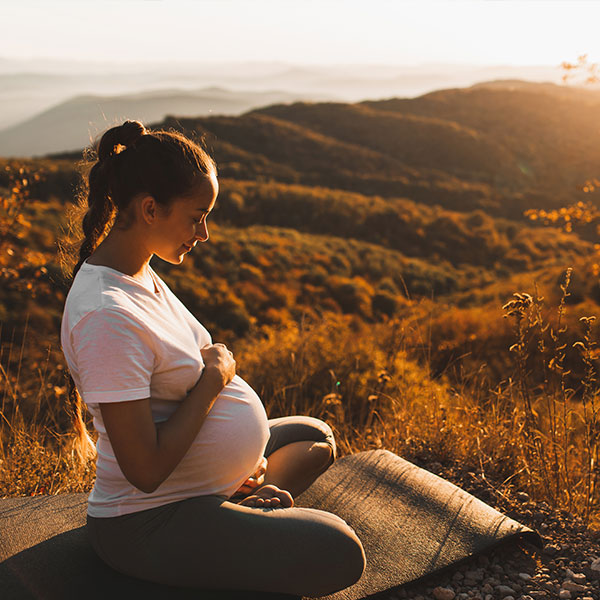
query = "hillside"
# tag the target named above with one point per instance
(548, 130)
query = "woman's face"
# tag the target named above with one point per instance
(185, 224)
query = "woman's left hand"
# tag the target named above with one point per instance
(255, 480)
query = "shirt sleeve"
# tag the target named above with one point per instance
(114, 355)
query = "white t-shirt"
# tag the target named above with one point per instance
(126, 340)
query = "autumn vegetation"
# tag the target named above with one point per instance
(423, 274)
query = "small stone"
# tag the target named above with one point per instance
(524, 576)
(579, 578)
(498, 568)
(442, 593)
(571, 586)
(463, 596)
(458, 576)
(504, 591)
(522, 497)
(488, 597)
(467, 582)
(551, 549)
(476, 574)
(486, 588)
(509, 598)
(538, 516)
(587, 598)
(595, 566)
(538, 594)
(548, 585)
(564, 595)
(526, 597)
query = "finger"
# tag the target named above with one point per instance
(263, 466)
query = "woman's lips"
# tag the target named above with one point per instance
(186, 247)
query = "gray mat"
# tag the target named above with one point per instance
(411, 522)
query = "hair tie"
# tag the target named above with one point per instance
(117, 149)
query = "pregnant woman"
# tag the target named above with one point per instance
(194, 485)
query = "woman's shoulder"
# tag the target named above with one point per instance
(101, 292)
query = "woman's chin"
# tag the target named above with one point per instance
(176, 259)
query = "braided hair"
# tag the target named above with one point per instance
(131, 160)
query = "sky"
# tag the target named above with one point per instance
(389, 32)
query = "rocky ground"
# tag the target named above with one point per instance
(568, 565)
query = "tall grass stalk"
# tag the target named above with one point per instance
(560, 434)
(36, 440)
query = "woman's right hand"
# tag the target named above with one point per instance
(219, 361)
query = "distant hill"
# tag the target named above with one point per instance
(73, 124)
(550, 131)
(420, 141)
(498, 146)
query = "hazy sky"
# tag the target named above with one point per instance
(517, 32)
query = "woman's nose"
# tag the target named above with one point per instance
(201, 232)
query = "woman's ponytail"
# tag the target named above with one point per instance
(101, 208)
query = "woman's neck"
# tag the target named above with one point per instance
(120, 251)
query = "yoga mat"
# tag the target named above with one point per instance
(411, 522)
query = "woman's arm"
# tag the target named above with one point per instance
(148, 452)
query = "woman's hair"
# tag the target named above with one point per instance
(131, 160)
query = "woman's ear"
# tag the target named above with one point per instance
(148, 208)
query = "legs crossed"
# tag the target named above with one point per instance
(208, 542)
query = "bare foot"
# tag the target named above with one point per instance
(269, 496)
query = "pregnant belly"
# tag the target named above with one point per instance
(231, 441)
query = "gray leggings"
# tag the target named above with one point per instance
(210, 543)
